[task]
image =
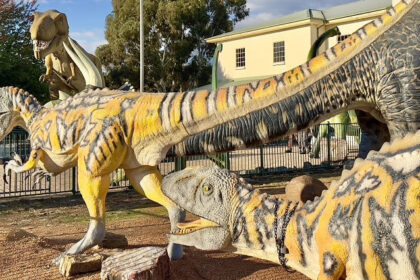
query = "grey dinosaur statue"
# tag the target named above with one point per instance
(365, 226)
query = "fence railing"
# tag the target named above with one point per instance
(273, 157)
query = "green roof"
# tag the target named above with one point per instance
(345, 10)
(356, 8)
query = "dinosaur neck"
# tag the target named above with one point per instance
(26, 105)
(338, 80)
(256, 228)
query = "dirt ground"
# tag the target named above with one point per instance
(59, 221)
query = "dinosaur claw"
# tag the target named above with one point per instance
(16, 157)
(38, 176)
(4, 179)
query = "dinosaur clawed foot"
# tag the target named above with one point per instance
(13, 164)
(57, 260)
(37, 176)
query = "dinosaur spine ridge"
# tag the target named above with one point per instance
(21, 100)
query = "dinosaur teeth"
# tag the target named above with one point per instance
(40, 45)
(182, 231)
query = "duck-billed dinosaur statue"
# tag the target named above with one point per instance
(366, 226)
(69, 67)
(101, 130)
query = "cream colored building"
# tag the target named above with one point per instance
(277, 46)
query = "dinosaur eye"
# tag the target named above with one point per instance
(207, 188)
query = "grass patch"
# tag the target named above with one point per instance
(115, 215)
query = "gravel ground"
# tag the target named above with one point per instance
(59, 221)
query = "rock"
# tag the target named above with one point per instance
(113, 240)
(76, 264)
(151, 263)
(304, 188)
(18, 234)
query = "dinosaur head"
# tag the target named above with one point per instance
(48, 31)
(207, 193)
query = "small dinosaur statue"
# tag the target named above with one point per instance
(102, 130)
(69, 67)
(365, 226)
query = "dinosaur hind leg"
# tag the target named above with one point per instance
(148, 181)
(93, 190)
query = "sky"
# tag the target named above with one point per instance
(87, 17)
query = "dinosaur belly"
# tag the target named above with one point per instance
(55, 163)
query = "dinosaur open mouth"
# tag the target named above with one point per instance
(186, 228)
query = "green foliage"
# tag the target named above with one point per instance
(176, 56)
(18, 67)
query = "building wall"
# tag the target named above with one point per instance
(259, 53)
(346, 29)
(298, 40)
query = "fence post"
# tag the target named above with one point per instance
(328, 143)
(261, 159)
(180, 163)
(73, 181)
(227, 161)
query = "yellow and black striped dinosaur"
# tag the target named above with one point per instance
(376, 70)
(365, 226)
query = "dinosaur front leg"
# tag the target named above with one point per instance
(93, 190)
(148, 181)
(17, 166)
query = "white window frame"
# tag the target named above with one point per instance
(240, 53)
(279, 51)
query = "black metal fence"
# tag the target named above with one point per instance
(274, 157)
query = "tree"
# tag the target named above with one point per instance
(18, 67)
(176, 55)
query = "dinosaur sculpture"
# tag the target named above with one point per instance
(366, 226)
(69, 67)
(101, 130)
(375, 70)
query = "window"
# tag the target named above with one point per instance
(240, 58)
(341, 38)
(278, 52)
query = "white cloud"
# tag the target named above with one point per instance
(256, 19)
(85, 34)
(89, 39)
